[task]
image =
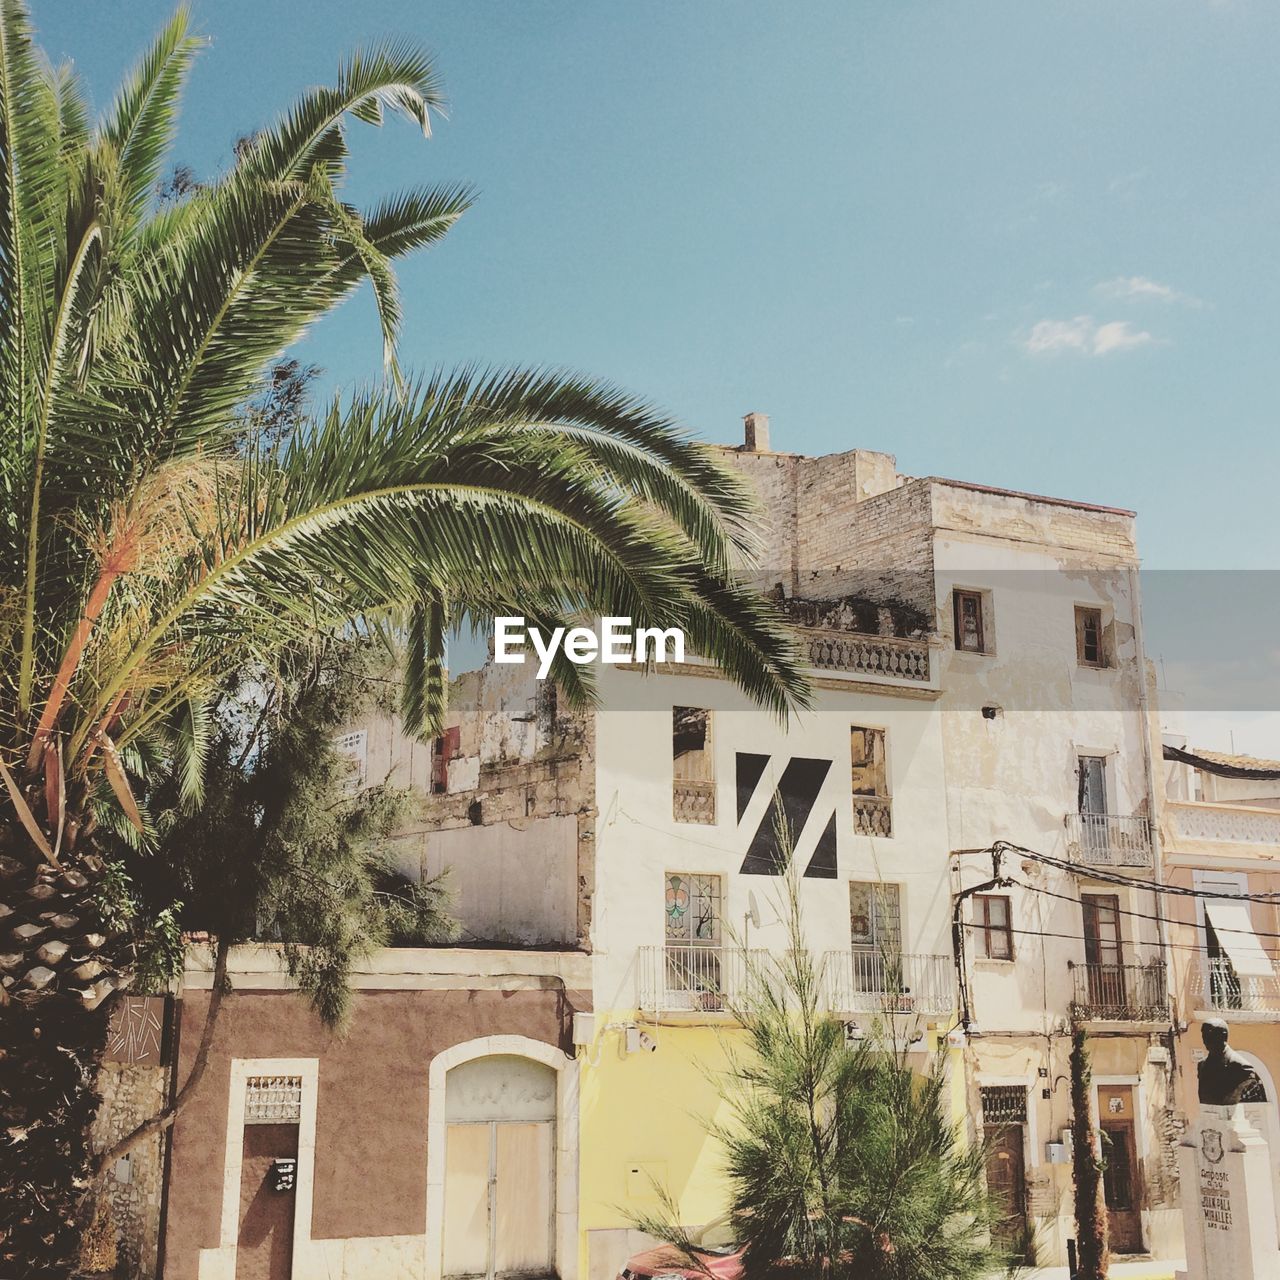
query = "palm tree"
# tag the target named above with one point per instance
(153, 538)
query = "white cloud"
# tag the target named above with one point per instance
(1119, 335)
(1084, 336)
(1140, 288)
(1060, 335)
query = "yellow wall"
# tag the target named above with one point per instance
(645, 1114)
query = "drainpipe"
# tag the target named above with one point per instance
(1155, 802)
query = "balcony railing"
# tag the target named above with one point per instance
(873, 815)
(1109, 839)
(865, 655)
(1120, 992)
(875, 982)
(694, 802)
(1222, 988)
(1222, 823)
(691, 979)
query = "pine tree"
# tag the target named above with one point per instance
(842, 1160)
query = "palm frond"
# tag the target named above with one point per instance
(141, 124)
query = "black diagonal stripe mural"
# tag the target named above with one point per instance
(749, 772)
(802, 779)
(823, 863)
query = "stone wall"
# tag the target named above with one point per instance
(132, 1188)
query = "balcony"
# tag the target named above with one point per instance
(1221, 989)
(694, 802)
(1120, 992)
(690, 979)
(1193, 820)
(874, 982)
(886, 657)
(873, 815)
(1109, 839)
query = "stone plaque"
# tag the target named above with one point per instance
(1228, 1208)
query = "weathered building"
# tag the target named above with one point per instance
(1222, 842)
(511, 1102)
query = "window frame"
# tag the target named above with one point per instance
(691, 877)
(980, 600)
(986, 929)
(1083, 612)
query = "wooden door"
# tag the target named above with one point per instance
(1007, 1187)
(467, 1161)
(498, 1199)
(523, 1158)
(264, 1246)
(1121, 1186)
(1103, 950)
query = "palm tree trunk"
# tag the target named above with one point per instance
(53, 1027)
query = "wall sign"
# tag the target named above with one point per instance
(284, 1174)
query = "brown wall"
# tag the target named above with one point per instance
(371, 1123)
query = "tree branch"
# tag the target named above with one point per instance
(163, 1120)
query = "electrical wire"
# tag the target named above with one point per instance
(1142, 915)
(1113, 877)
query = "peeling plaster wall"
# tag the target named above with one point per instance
(513, 831)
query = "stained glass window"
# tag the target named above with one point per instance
(692, 906)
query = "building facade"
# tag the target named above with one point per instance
(1222, 841)
(969, 816)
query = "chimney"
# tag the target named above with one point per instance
(756, 434)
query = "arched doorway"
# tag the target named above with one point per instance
(499, 1168)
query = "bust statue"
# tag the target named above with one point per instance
(1224, 1077)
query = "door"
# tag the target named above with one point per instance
(497, 1199)
(1103, 950)
(1007, 1187)
(264, 1244)
(1092, 777)
(875, 930)
(1120, 1185)
(499, 1181)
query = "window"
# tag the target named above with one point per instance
(691, 958)
(1003, 1104)
(1091, 777)
(1101, 929)
(970, 628)
(353, 747)
(1090, 638)
(692, 906)
(693, 790)
(993, 924)
(869, 782)
(875, 915)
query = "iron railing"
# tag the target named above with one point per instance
(1120, 992)
(865, 981)
(1227, 990)
(692, 979)
(1109, 839)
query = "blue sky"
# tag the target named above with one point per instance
(1032, 245)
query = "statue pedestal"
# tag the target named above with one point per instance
(1228, 1204)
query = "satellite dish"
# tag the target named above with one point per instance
(753, 908)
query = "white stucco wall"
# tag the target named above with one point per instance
(638, 840)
